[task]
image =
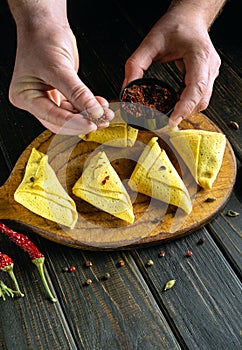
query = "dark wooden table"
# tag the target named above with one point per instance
(129, 310)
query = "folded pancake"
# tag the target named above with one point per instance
(101, 186)
(117, 134)
(155, 176)
(202, 151)
(41, 192)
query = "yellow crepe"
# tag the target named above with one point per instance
(41, 192)
(202, 151)
(155, 176)
(117, 134)
(101, 186)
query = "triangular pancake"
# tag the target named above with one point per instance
(101, 186)
(117, 134)
(41, 192)
(155, 176)
(207, 149)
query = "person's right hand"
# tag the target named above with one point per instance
(46, 84)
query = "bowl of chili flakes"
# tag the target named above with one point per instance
(144, 101)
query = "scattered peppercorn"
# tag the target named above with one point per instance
(88, 263)
(188, 253)
(201, 241)
(121, 263)
(234, 125)
(150, 263)
(106, 276)
(72, 268)
(162, 253)
(88, 282)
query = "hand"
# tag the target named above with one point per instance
(46, 84)
(185, 41)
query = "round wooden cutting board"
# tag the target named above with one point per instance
(155, 221)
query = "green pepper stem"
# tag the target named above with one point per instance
(9, 270)
(39, 262)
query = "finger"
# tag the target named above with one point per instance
(137, 64)
(60, 120)
(77, 93)
(196, 87)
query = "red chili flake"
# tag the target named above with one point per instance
(121, 263)
(105, 180)
(72, 268)
(153, 96)
(162, 253)
(188, 253)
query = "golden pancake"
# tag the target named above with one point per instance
(41, 192)
(202, 151)
(117, 134)
(155, 176)
(101, 186)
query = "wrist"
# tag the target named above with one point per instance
(32, 15)
(192, 11)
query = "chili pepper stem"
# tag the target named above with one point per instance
(39, 262)
(4, 290)
(9, 270)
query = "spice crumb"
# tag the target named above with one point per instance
(121, 263)
(201, 241)
(232, 213)
(188, 253)
(65, 269)
(88, 282)
(150, 263)
(234, 125)
(162, 253)
(106, 276)
(72, 268)
(88, 263)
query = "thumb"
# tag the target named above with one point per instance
(79, 95)
(137, 64)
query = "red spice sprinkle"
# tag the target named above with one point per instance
(162, 253)
(105, 179)
(121, 263)
(72, 268)
(188, 253)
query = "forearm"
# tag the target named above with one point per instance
(32, 14)
(205, 10)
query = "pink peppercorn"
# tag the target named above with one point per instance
(188, 253)
(72, 268)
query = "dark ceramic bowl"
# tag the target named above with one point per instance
(146, 100)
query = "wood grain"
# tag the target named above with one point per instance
(155, 221)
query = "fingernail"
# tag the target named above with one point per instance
(175, 122)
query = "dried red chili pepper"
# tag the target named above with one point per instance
(6, 265)
(36, 256)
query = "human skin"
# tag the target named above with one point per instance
(45, 80)
(182, 36)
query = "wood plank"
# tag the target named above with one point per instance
(204, 304)
(99, 316)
